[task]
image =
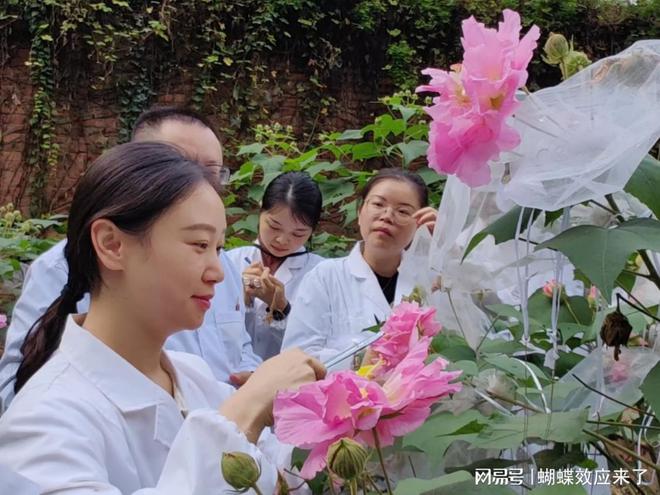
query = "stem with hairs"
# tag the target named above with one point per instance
(382, 461)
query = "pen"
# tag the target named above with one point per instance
(247, 260)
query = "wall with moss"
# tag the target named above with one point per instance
(75, 74)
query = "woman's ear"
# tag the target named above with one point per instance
(109, 243)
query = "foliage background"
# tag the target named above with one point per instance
(237, 60)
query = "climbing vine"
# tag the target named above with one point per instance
(237, 58)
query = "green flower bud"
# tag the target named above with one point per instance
(347, 459)
(240, 470)
(555, 48)
(575, 62)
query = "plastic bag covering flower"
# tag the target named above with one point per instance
(476, 97)
(346, 405)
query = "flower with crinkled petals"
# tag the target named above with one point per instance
(407, 323)
(411, 388)
(468, 127)
(320, 413)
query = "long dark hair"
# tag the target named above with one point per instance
(131, 185)
(415, 180)
(299, 192)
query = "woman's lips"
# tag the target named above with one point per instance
(204, 302)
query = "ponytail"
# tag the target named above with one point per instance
(45, 335)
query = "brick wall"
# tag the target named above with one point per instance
(87, 121)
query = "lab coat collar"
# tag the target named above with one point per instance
(116, 378)
(286, 270)
(360, 269)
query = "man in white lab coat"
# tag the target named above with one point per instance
(221, 341)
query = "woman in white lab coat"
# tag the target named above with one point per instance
(274, 266)
(101, 407)
(341, 297)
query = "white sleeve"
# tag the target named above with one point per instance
(63, 452)
(310, 321)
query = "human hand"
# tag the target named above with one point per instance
(239, 378)
(426, 216)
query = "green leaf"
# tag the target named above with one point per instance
(510, 431)
(452, 347)
(440, 430)
(504, 228)
(459, 482)
(248, 223)
(430, 176)
(601, 253)
(650, 387)
(321, 167)
(364, 151)
(252, 149)
(406, 112)
(412, 150)
(350, 134)
(644, 184)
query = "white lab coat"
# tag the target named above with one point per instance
(336, 301)
(221, 340)
(267, 338)
(89, 422)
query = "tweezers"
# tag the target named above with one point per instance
(352, 350)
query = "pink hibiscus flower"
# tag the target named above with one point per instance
(468, 126)
(345, 404)
(403, 329)
(320, 413)
(411, 388)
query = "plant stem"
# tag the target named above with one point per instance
(629, 425)
(515, 402)
(612, 398)
(352, 486)
(638, 308)
(627, 451)
(332, 487)
(381, 460)
(256, 489)
(619, 461)
(654, 276)
(371, 482)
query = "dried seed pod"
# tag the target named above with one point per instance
(615, 331)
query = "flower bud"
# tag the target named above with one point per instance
(575, 62)
(556, 48)
(347, 459)
(240, 470)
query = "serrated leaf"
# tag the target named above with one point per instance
(504, 228)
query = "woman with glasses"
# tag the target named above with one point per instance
(341, 297)
(275, 264)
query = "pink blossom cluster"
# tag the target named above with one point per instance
(468, 127)
(348, 405)
(407, 324)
